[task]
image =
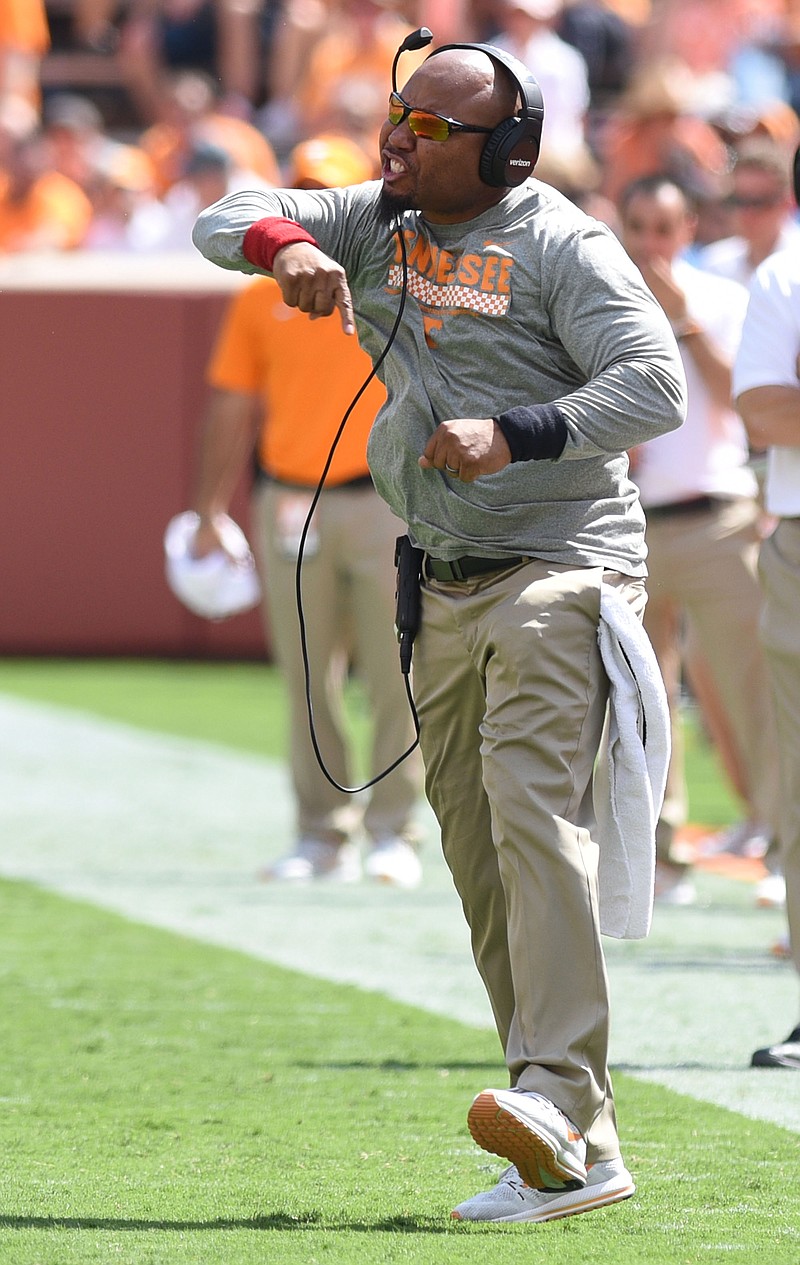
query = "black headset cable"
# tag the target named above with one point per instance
(349, 790)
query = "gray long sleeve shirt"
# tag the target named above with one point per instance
(531, 302)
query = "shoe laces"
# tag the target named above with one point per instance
(511, 1178)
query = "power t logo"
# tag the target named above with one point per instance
(445, 283)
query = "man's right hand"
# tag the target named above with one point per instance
(313, 282)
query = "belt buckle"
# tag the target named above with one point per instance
(456, 570)
(442, 570)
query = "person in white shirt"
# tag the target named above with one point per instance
(766, 385)
(699, 496)
(764, 219)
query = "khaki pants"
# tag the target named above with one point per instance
(511, 694)
(348, 584)
(702, 566)
(779, 570)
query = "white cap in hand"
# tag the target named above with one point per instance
(223, 583)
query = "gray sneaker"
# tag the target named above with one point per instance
(532, 1133)
(511, 1199)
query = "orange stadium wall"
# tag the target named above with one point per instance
(102, 394)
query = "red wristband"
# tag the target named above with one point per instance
(264, 239)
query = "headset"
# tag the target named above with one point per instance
(512, 150)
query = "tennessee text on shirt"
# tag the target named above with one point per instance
(446, 283)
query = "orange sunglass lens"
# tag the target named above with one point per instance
(428, 126)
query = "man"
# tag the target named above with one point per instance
(528, 358)
(700, 498)
(764, 219)
(263, 395)
(763, 213)
(766, 384)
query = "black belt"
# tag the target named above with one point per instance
(349, 485)
(465, 568)
(696, 505)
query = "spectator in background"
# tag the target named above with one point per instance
(700, 501)
(763, 211)
(165, 224)
(122, 196)
(262, 394)
(527, 30)
(720, 41)
(351, 56)
(760, 215)
(762, 219)
(767, 393)
(303, 24)
(774, 121)
(76, 137)
(606, 41)
(578, 177)
(40, 209)
(191, 114)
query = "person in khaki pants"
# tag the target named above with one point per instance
(522, 357)
(766, 383)
(703, 519)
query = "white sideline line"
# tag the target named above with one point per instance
(170, 832)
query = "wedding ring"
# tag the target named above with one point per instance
(449, 469)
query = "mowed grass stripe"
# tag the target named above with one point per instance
(167, 1101)
(243, 705)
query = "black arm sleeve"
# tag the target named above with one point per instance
(534, 433)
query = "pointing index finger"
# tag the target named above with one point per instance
(345, 305)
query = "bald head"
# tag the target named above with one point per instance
(474, 78)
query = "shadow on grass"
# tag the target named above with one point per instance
(728, 962)
(267, 1221)
(659, 1069)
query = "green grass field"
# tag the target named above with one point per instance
(168, 1101)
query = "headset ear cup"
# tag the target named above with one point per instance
(521, 154)
(492, 169)
(510, 154)
(512, 150)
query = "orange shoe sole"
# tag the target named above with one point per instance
(499, 1131)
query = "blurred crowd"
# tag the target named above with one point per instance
(217, 94)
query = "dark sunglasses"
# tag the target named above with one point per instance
(431, 127)
(753, 204)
